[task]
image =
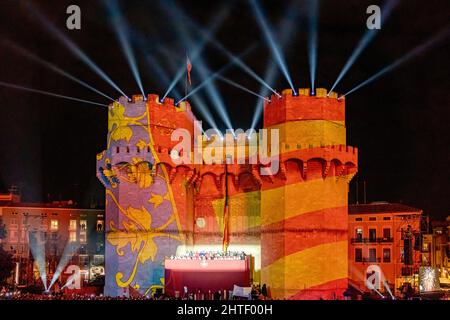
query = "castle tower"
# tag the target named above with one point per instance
(146, 209)
(304, 206)
(294, 221)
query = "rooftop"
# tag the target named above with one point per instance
(13, 201)
(381, 207)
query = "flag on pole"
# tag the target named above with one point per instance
(188, 68)
(226, 222)
(226, 213)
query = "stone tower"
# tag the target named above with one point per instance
(293, 221)
(304, 207)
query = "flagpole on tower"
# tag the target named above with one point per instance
(188, 74)
(186, 78)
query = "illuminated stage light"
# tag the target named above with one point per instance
(72, 47)
(440, 36)
(173, 11)
(52, 67)
(214, 75)
(37, 248)
(48, 93)
(198, 102)
(312, 40)
(68, 252)
(369, 35)
(214, 95)
(201, 106)
(276, 52)
(285, 33)
(157, 72)
(121, 29)
(202, 68)
(239, 86)
(208, 36)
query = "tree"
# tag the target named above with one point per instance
(6, 265)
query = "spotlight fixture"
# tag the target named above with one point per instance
(161, 100)
(294, 93)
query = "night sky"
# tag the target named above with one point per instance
(400, 123)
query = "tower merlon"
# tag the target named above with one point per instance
(304, 106)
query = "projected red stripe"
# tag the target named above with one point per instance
(295, 240)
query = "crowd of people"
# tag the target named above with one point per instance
(258, 292)
(16, 295)
(210, 255)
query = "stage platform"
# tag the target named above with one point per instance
(205, 275)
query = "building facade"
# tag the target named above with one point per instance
(293, 221)
(45, 236)
(384, 246)
(436, 250)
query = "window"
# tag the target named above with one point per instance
(372, 255)
(73, 225)
(13, 222)
(372, 235)
(358, 219)
(372, 219)
(359, 233)
(83, 225)
(83, 238)
(386, 255)
(54, 225)
(386, 218)
(73, 236)
(13, 235)
(99, 259)
(23, 235)
(358, 255)
(99, 225)
(386, 233)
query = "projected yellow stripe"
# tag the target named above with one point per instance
(302, 134)
(307, 268)
(299, 198)
(245, 205)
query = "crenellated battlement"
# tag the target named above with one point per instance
(303, 106)
(156, 101)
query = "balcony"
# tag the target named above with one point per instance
(371, 240)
